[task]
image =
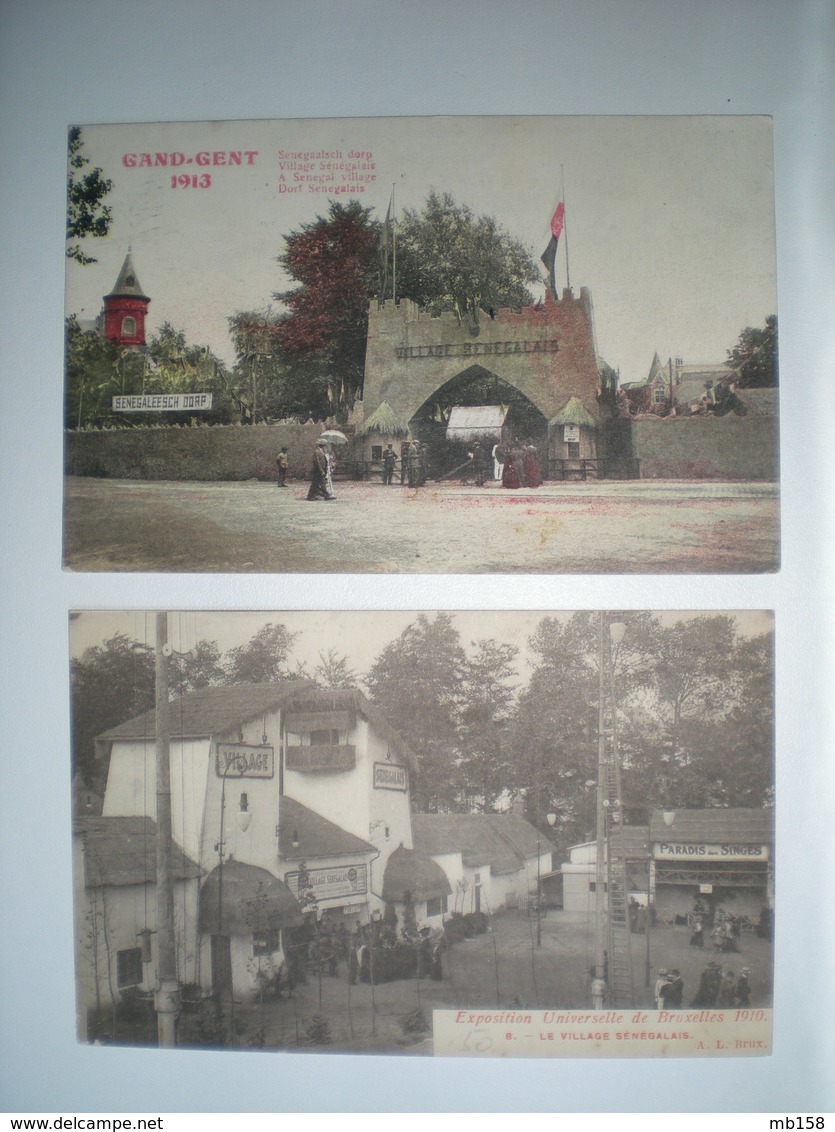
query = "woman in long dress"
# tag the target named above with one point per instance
(510, 477)
(530, 465)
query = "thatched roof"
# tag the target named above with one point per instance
(574, 413)
(122, 851)
(384, 421)
(501, 841)
(253, 900)
(415, 873)
(211, 711)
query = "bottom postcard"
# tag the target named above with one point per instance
(508, 834)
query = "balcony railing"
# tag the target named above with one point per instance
(321, 758)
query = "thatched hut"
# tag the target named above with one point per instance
(572, 438)
(381, 428)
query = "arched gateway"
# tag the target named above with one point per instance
(535, 360)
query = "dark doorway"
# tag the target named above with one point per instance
(476, 385)
(221, 967)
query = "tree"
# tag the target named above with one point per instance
(555, 728)
(86, 215)
(694, 714)
(109, 683)
(115, 681)
(334, 261)
(170, 364)
(267, 382)
(98, 369)
(333, 671)
(94, 373)
(202, 668)
(417, 681)
(263, 660)
(485, 733)
(450, 259)
(754, 357)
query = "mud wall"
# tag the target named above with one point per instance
(218, 452)
(720, 448)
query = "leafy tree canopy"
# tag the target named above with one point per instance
(450, 259)
(334, 671)
(115, 681)
(418, 681)
(334, 261)
(267, 382)
(109, 683)
(86, 214)
(262, 660)
(754, 356)
(98, 369)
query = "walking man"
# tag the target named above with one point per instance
(319, 474)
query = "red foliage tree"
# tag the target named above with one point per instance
(335, 260)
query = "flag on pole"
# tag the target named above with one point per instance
(549, 256)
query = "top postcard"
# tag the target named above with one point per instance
(496, 345)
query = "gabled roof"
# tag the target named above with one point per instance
(501, 842)
(211, 711)
(410, 871)
(314, 835)
(127, 284)
(216, 710)
(729, 826)
(253, 901)
(656, 370)
(122, 851)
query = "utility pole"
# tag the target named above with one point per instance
(167, 995)
(598, 984)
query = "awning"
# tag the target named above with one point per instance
(411, 872)
(253, 900)
(469, 423)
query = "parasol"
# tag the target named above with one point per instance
(334, 436)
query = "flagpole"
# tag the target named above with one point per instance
(565, 229)
(393, 249)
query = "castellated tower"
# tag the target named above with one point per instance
(547, 352)
(125, 308)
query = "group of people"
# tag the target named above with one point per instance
(516, 466)
(717, 987)
(724, 935)
(720, 987)
(414, 463)
(639, 917)
(669, 989)
(512, 466)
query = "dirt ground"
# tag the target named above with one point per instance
(504, 968)
(597, 528)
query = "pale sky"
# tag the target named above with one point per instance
(669, 220)
(359, 635)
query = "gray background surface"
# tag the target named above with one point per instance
(92, 61)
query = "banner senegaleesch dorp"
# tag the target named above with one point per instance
(607, 1033)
